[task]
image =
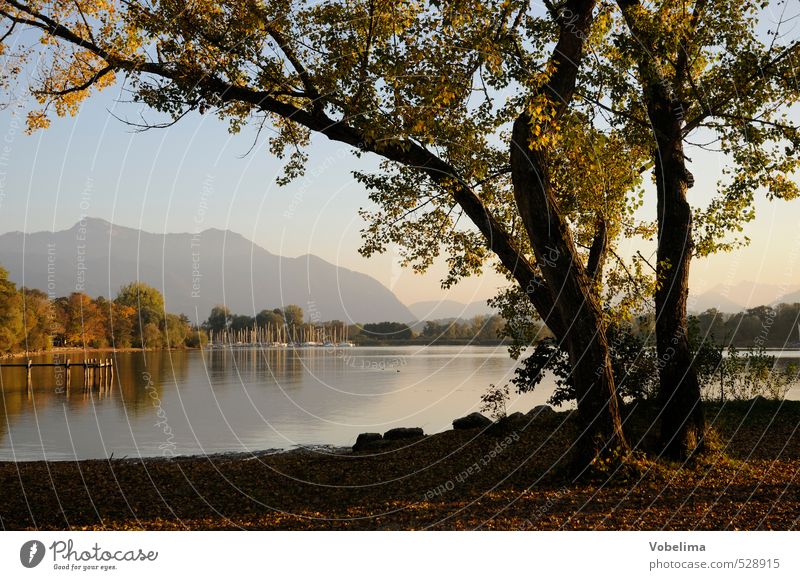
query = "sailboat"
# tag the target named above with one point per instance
(345, 343)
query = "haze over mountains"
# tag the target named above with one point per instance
(194, 272)
(742, 295)
(442, 309)
(197, 271)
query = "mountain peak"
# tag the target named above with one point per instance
(221, 267)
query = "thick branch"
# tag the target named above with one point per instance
(598, 250)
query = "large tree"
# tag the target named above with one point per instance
(705, 75)
(11, 316)
(146, 301)
(470, 104)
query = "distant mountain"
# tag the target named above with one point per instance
(194, 272)
(711, 299)
(441, 309)
(789, 298)
(740, 296)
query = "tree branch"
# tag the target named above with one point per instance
(597, 251)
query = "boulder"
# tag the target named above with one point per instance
(403, 433)
(367, 440)
(472, 421)
(505, 425)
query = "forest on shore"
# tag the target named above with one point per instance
(31, 320)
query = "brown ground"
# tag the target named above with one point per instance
(428, 484)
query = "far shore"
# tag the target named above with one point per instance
(414, 342)
(84, 351)
(89, 351)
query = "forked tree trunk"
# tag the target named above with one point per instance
(576, 305)
(683, 424)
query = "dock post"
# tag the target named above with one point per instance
(67, 373)
(28, 381)
(110, 373)
(85, 374)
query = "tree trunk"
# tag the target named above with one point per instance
(593, 377)
(576, 307)
(683, 423)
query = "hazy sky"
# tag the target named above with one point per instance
(196, 175)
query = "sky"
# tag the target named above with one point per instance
(195, 175)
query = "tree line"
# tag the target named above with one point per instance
(763, 326)
(481, 328)
(135, 318)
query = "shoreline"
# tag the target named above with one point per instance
(315, 449)
(509, 478)
(86, 351)
(90, 351)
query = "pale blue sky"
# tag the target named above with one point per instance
(158, 181)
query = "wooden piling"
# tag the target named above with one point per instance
(28, 381)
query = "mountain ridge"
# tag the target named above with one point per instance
(194, 271)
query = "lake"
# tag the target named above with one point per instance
(215, 401)
(193, 402)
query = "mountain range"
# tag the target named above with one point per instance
(736, 297)
(194, 272)
(198, 271)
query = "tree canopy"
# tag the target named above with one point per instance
(534, 123)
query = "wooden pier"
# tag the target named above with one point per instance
(96, 372)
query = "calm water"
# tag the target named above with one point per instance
(192, 402)
(172, 403)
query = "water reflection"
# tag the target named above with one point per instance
(189, 402)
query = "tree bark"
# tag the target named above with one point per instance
(572, 287)
(576, 303)
(683, 424)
